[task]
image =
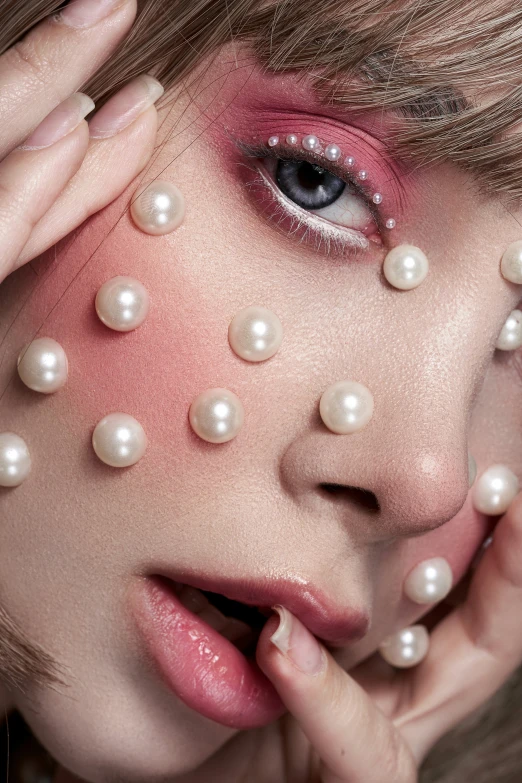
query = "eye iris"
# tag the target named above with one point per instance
(307, 184)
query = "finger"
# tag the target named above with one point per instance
(52, 61)
(31, 179)
(354, 739)
(108, 168)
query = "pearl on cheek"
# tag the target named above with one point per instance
(430, 581)
(346, 406)
(495, 489)
(510, 337)
(255, 334)
(511, 264)
(159, 209)
(119, 440)
(405, 267)
(216, 415)
(122, 303)
(472, 469)
(15, 460)
(406, 647)
(42, 365)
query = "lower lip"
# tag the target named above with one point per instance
(203, 668)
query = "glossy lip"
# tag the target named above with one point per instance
(321, 614)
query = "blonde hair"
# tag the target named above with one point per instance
(426, 61)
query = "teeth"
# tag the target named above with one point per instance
(235, 629)
(231, 628)
(213, 617)
(193, 599)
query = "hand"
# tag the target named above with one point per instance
(46, 193)
(377, 724)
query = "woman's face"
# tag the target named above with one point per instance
(84, 539)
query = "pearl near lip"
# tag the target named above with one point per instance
(311, 143)
(255, 333)
(119, 440)
(15, 460)
(346, 406)
(495, 490)
(332, 152)
(405, 267)
(472, 469)
(216, 415)
(159, 209)
(430, 581)
(43, 366)
(510, 337)
(511, 264)
(122, 303)
(406, 647)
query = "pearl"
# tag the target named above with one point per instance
(122, 303)
(377, 198)
(255, 333)
(407, 647)
(273, 140)
(311, 143)
(405, 267)
(430, 581)
(332, 152)
(216, 415)
(292, 139)
(349, 162)
(15, 460)
(43, 366)
(511, 264)
(494, 490)
(346, 406)
(472, 469)
(510, 337)
(119, 440)
(362, 174)
(159, 209)
(391, 223)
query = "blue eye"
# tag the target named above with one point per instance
(307, 184)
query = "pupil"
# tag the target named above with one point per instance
(307, 184)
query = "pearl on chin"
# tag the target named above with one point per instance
(510, 338)
(511, 263)
(346, 406)
(255, 334)
(119, 440)
(407, 647)
(430, 581)
(122, 303)
(216, 415)
(15, 460)
(42, 365)
(405, 267)
(495, 490)
(159, 209)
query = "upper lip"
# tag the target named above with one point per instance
(321, 614)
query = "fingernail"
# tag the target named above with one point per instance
(295, 641)
(60, 122)
(86, 13)
(123, 108)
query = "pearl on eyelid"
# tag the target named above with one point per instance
(119, 440)
(216, 415)
(332, 152)
(390, 223)
(122, 303)
(15, 460)
(472, 469)
(42, 365)
(407, 647)
(349, 161)
(311, 143)
(405, 267)
(159, 209)
(511, 264)
(377, 198)
(494, 490)
(362, 174)
(292, 139)
(510, 337)
(273, 140)
(346, 406)
(430, 581)
(255, 334)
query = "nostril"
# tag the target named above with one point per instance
(363, 498)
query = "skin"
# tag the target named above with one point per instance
(86, 534)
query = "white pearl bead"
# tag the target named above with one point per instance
(511, 264)
(405, 267)
(42, 365)
(332, 152)
(15, 460)
(346, 406)
(472, 469)
(349, 161)
(119, 440)
(216, 415)
(255, 334)
(407, 647)
(391, 223)
(292, 139)
(122, 303)
(311, 143)
(377, 198)
(510, 337)
(430, 581)
(362, 174)
(159, 209)
(273, 140)
(494, 490)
